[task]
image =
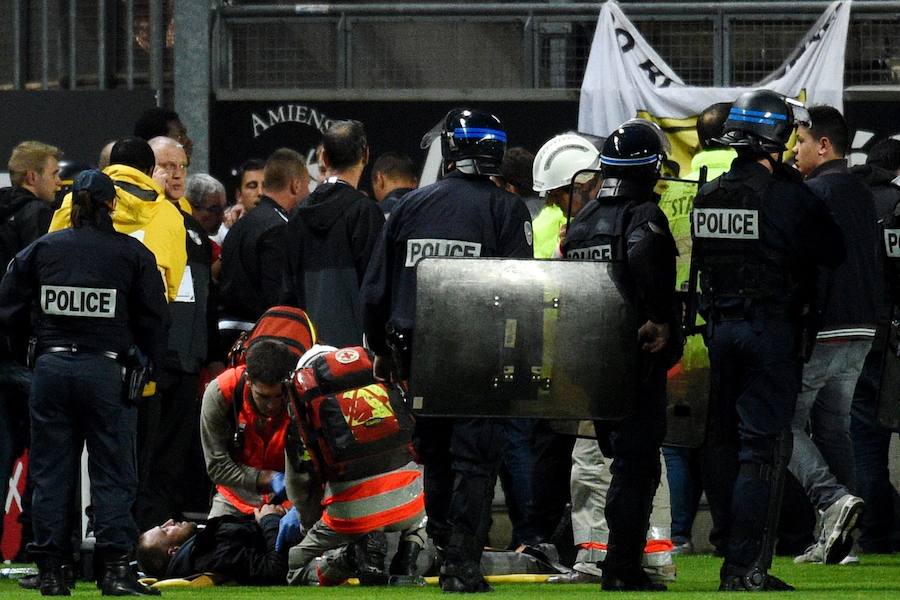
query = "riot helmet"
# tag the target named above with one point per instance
(762, 120)
(472, 139)
(710, 123)
(559, 159)
(635, 150)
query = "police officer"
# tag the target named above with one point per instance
(463, 213)
(759, 234)
(94, 293)
(625, 227)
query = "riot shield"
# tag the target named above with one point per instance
(889, 390)
(522, 338)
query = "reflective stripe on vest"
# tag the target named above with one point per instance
(374, 502)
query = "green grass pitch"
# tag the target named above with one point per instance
(877, 577)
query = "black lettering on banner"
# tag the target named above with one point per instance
(654, 74)
(63, 300)
(49, 296)
(105, 298)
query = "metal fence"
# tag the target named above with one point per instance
(518, 49)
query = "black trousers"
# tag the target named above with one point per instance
(77, 398)
(169, 427)
(461, 458)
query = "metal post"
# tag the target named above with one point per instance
(45, 44)
(18, 43)
(529, 52)
(343, 49)
(157, 45)
(73, 45)
(101, 44)
(129, 44)
(192, 80)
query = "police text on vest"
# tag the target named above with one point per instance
(416, 250)
(892, 242)
(726, 223)
(602, 252)
(78, 301)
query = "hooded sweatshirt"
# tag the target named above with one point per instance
(328, 244)
(23, 218)
(143, 212)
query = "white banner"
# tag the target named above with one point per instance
(625, 78)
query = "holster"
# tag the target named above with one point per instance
(400, 343)
(135, 375)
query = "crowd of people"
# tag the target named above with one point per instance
(128, 286)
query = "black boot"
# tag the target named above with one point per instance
(369, 554)
(628, 580)
(119, 579)
(463, 578)
(33, 582)
(750, 579)
(50, 576)
(404, 561)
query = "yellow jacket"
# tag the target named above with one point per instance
(143, 212)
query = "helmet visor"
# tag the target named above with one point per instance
(585, 184)
(801, 115)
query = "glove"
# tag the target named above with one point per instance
(290, 531)
(279, 490)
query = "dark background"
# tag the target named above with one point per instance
(81, 122)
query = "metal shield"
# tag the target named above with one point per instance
(522, 338)
(889, 391)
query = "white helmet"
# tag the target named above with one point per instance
(560, 158)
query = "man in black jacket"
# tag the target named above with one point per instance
(237, 549)
(253, 251)
(330, 239)
(823, 461)
(25, 212)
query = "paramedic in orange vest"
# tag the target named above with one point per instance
(347, 540)
(243, 428)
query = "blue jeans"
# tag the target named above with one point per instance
(822, 460)
(683, 472)
(516, 476)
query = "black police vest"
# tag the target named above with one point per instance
(891, 246)
(733, 261)
(604, 239)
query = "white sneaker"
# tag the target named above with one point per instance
(815, 554)
(838, 521)
(850, 559)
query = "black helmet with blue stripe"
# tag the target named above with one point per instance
(635, 150)
(762, 120)
(473, 139)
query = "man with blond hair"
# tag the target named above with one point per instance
(25, 212)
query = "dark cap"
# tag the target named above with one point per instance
(96, 183)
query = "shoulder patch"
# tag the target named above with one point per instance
(529, 233)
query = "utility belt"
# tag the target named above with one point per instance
(750, 311)
(77, 349)
(135, 366)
